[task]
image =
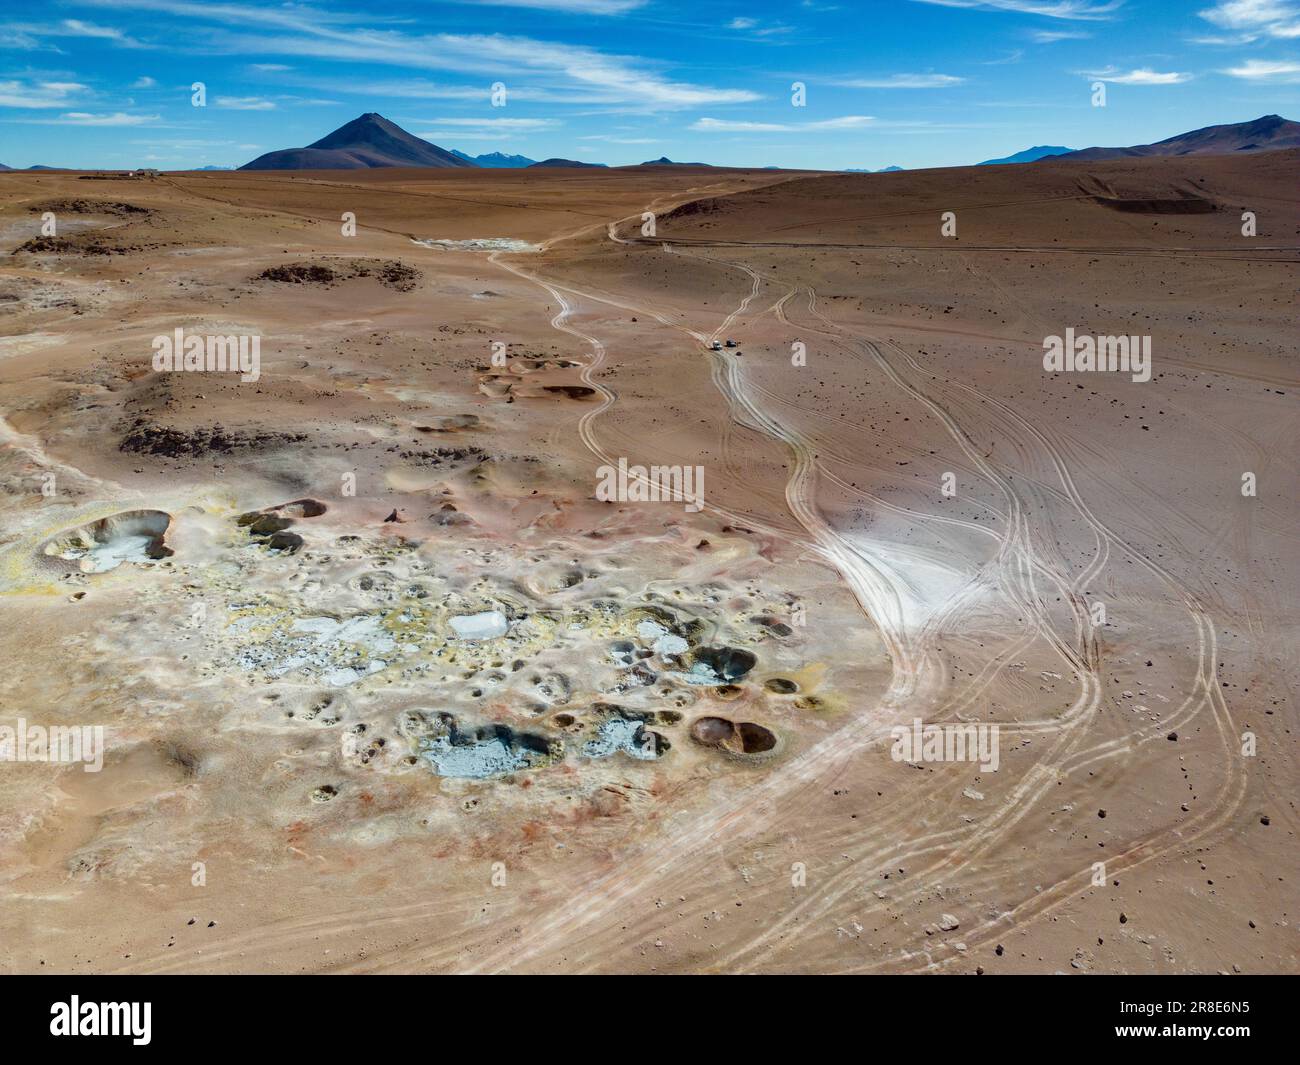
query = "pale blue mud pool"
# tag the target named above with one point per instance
(475, 761)
(619, 734)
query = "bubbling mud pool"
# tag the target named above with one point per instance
(103, 545)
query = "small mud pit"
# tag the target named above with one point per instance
(132, 536)
(781, 686)
(301, 508)
(742, 738)
(452, 423)
(571, 391)
(627, 734)
(719, 665)
(269, 525)
(284, 543)
(259, 524)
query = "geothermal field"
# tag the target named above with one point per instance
(651, 570)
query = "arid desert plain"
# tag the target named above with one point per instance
(395, 671)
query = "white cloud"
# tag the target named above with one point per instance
(905, 81)
(577, 7)
(117, 118)
(719, 125)
(74, 27)
(416, 89)
(503, 124)
(1285, 72)
(244, 103)
(41, 95)
(742, 24)
(144, 82)
(1138, 77)
(1272, 18)
(1052, 36)
(71, 27)
(1064, 9)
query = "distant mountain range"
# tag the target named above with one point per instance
(864, 170)
(496, 160)
(1029, 155)
(373, 141)
(1262, 135)
(368, 141)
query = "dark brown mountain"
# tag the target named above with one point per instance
(663, 160)
(1262, 135)
(368, 141)
(564, 163)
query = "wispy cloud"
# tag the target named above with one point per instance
(41, 94)
(411, 89)
(334, 36)
(718, 125)
(1255, 19)
(752, 27)
(68, 27)
(904, 81)
(1138, 77)
(577, 7)
(1052, 36)
(1064, 9)
(1281, 72)
(144, 82)
(117, 118)
(244, 103)
(505, 124)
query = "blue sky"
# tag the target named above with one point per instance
(914, 83)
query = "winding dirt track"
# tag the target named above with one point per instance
(1023, 561)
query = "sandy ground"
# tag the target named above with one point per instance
(687, 716)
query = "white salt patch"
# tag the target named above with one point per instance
(668, 644)
(337, 652)
(701, 674)
(485, 626)
(480, 244)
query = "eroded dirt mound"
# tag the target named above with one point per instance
(79, 206)
(74, 246)
(391, 273)
(147, 438)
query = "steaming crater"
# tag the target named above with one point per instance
(103, 545)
